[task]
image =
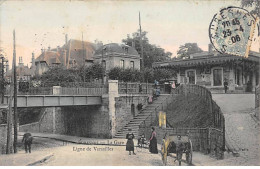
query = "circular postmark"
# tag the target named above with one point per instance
(231, 31)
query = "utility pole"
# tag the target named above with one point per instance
(2, 79)
(83, 57)
(102, 57)
(15, 98)
(142, 52)
(9, 120)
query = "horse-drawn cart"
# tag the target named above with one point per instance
(178, 145)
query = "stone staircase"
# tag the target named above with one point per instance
(137, 120)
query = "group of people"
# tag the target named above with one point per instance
(130, 143)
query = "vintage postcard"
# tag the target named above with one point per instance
(129, 83)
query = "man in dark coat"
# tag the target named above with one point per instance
(130, 143)
(179, 149)
(226, 85)
(27, 139)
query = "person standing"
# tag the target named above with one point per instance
(27, 139)
(226, 85)
(153, 142)
(130, 143)
(179, 149)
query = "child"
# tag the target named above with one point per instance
(141, 140)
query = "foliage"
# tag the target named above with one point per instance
(126, 75)
(151, 53)
(130, 75)
(163, 74)
(58, 76)
(187, 49)
(94, 71)
(149, 75)
(115, 73)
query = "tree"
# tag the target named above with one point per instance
(187, 49)
(152, 53)
(255, 4)
(115, 73)
(94, 71)
(125, 75)
(149, 75)
(58, 76)
(164, 74)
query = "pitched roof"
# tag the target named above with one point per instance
(207, 59)
(49, 57)
(74, 51)
(117, 48)
(21, 71)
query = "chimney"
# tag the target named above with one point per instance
(210, 48)
(66, 39)
(64, 58)
(42, 50)
(49, 48)
(20, 61)
(33, 61)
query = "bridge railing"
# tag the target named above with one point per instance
(98, 91)
(83, 91)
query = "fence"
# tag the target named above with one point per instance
(83, 91)
(135, 88)
(142, 88)
(207, 140)
(62, 91)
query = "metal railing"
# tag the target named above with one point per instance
(63, 91)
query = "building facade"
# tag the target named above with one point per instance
(212, 69)
(117, 55)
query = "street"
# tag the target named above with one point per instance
(241, 130)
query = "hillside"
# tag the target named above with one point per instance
(189, 112)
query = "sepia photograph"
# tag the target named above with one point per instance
(129, 83)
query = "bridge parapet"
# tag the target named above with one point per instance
(58, 90)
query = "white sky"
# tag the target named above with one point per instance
(169, 23)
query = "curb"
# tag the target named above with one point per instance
(41, 161)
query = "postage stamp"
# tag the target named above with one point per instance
(231, 31)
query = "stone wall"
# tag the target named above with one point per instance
(85, 121)
(88, 121)
(51, 121)
(126, 108)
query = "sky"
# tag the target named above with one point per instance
(39, 24)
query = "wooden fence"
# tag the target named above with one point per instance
(135, 88)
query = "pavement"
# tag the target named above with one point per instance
(242, 129)
(72, 144)
(25, 159)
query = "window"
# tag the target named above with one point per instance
(217, 77)
(132, 64)
(122, 64)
